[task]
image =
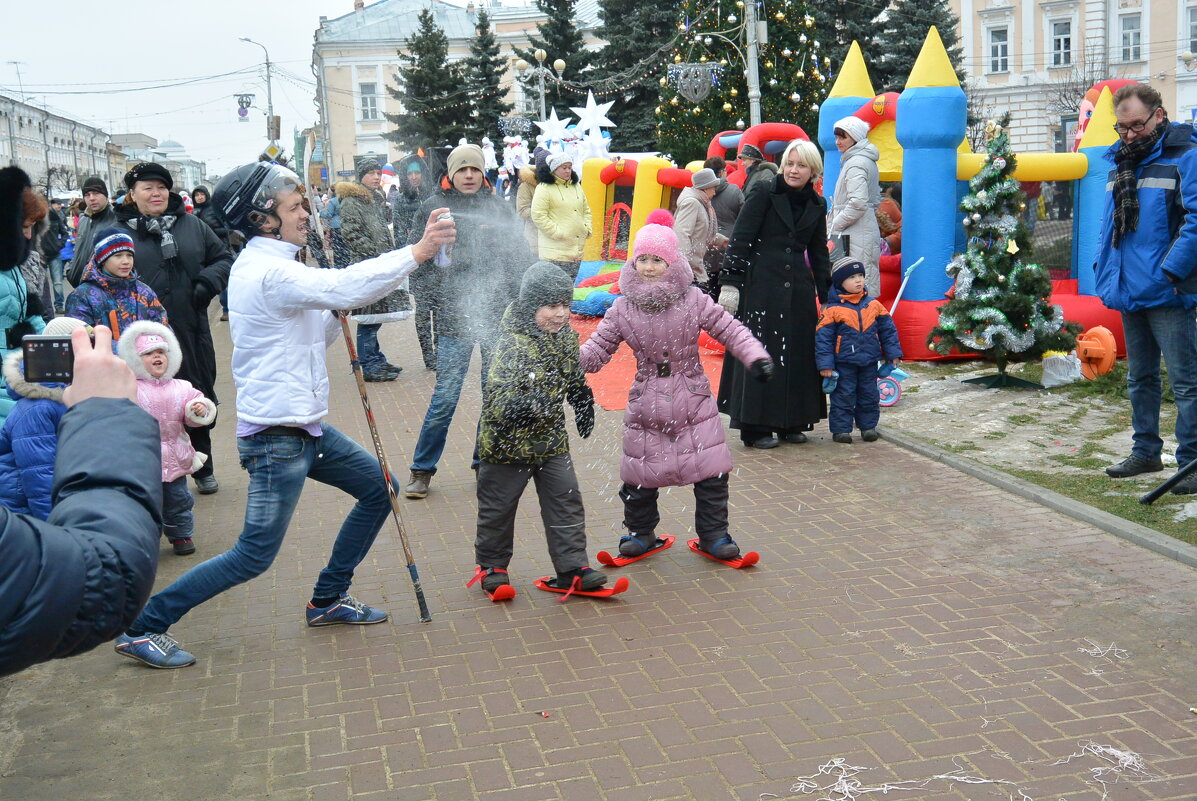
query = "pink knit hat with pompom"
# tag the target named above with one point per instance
(657, 238)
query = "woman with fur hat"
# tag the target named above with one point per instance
(561, 214)
(672, 433)
(111, 293)
(29, 436)
(695, 223)
(857, 195)
(152, 351)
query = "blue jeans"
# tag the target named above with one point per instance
(56, 270)
(1172, 332)
(178, 521)
(369, 354)
(452, 362)
(278, 465)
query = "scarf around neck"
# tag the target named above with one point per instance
(1126, 194)
(158, 228)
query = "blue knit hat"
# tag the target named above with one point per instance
(845, 268)
(108, 242)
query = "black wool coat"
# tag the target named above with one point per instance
(184, 285)
(767, 261)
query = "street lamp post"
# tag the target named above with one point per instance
(270, 132)
(540, 70)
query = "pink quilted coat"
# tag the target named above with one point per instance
(167, 400)
(672, 433)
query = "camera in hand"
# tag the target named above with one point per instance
(49, 359)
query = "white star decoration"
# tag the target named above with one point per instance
(553, 128)
(592, 117)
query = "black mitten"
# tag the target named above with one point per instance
(762, 370)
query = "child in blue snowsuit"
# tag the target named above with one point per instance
(854, 333)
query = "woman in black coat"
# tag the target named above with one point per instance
(186, 264)
(769, 286)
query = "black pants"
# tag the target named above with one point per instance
(640, 514)
(499, 489)
(201, 440)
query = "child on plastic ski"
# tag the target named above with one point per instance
(152, 351)
(672, 433)
(855, 332)
(522, 433)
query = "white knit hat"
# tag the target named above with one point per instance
(855, 127)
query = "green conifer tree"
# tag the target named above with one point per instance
(634, 32)
(560, 38)
(484, 69)
(999, 306)
(435, 102)
(792, 66)
(904, 30)
(843, 22)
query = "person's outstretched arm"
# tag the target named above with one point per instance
(79, 579)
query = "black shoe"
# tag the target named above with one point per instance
(183, 546)
(797, 438)
(870, 435)
(764, 443)
(591, 579)
(207, 485)
(392, 368)
(1133, 466)
(379, 376)
(843, 439)
(1187, 485)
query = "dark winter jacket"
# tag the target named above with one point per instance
(86, 232)
(728, 201)
(29, 441)
(487, 262)
(763, 174)
(363, 221)
(185, 285)
(214, 219)
(104, 299)
(55, 235)
(532, 373)
(767, 260)
(79, 579)
(404, 206)
(1155, 265)
(855, 330)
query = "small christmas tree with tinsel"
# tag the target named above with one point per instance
(999, 306)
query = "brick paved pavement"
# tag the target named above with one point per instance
(905, 617)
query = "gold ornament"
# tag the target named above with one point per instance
(677, 59)
(769, 65)
(673, 101)
(779, 16)
(1022, 206)
(663, 81)
(734, 92)
(727, 106)
(1012, 247)
(702, 59)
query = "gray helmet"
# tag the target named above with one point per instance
(248, 195)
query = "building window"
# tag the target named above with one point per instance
(369, 100)
(1193, 29)
(999, 50)
(1062, 43)
(1132, 37)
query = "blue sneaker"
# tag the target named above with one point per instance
(156, 650)
(346, 610)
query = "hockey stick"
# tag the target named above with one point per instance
(1154, 495)
(382, 461)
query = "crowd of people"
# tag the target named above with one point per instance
(783, 279)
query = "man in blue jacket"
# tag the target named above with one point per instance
(1147, 270)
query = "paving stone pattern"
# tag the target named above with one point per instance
(905, 618)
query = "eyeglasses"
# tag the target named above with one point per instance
(1135, 127)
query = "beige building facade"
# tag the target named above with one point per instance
(355, 61)
(1036, 58)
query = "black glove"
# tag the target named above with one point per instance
(582, 402)
(762, 370)
(201, 295)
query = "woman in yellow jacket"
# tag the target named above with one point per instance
(561, 214)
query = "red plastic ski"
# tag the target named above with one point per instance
(618, 560)
(504, 592)
(746, 560)
(620, 585)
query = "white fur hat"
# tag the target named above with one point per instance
(149, 333)
(855, 127)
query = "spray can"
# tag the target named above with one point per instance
(444, 254)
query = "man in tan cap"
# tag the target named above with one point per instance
(479, 276)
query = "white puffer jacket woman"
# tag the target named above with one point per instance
(857, 196)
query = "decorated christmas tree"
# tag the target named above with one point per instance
(999, 306)
(704, 89)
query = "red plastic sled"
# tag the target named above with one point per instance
(746, 560)
(619, 560)
(504, 592)
(620, 585)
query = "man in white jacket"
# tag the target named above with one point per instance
(281, 323)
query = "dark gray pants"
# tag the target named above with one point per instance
(640, 515)
(499, 489)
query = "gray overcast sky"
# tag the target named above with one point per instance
(90, 46)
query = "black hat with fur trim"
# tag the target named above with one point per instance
(14, 247)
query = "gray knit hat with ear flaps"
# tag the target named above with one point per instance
(544, 284)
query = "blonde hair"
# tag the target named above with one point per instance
(808, 155)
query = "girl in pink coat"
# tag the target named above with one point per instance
(672, 433)
(152, 351)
